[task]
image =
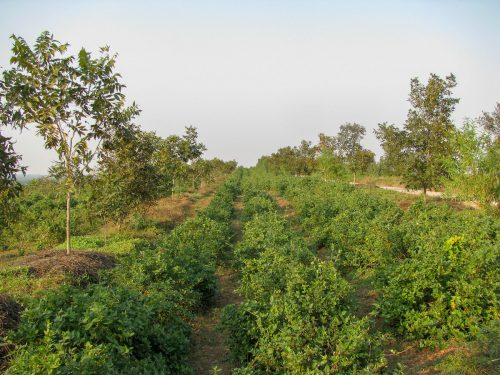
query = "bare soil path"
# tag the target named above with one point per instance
(411, 191)
(209, 352)
(432, 194)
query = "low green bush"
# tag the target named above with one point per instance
(344, 220)
(299, 322)
(263, 231)
(99, 330)
(221, 207)
(136, 320)
(444, 283)
(434, 266)
(207, 237)
(258, 204)
(478, 356)
(41, 219)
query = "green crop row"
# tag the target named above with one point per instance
(136, 320)
(296, 315)
(436, 267)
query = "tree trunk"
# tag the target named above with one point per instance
(68, 235)
(173, 185)
(425, 193)
(354, 178)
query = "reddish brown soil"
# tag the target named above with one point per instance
(417, 361)
(169, 212)
(209, 350)
(172, 211)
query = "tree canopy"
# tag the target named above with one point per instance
(74, 102)
(427, 132)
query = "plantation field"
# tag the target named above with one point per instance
(263, 274)
(127, 248)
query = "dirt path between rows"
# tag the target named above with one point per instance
(433, 194)
(410, 191)
(209, 354)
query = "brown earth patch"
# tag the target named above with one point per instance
(168, 212)
(7, 257)
(238, 205)
(282, 202)
(323, 253)
(209, 350)
(366, 298)
(171, 211)
(417, 361)
(289, 213)
(77, 263)
(236, 223)
(10, 311)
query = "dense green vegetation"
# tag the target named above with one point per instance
(137, 318)
(296, 316)
(433, 270)
(435, 266)
(328, 275)
(40, 220)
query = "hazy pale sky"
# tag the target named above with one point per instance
(258, 75)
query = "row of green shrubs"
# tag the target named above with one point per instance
(296, 315)
(136, 320)
(436, 268)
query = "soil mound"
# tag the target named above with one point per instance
(9, 319)
(9, 314)
(77, 263)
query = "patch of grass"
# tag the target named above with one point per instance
(380, 180)
(481, 356)
(401, 199)
(19, 283)
(118, 244)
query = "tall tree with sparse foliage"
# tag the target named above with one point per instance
(74, 102)
(348, 140)
(348, 148)
(428, 131)
(491, 122)
(175, 156)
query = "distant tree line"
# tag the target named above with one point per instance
(428, 152)
(332, 157)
